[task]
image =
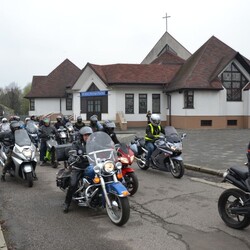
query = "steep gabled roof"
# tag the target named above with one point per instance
(56, 83)
(167, 58)
(116, 74)
(201, 70)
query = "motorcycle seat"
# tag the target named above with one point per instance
(242, 172)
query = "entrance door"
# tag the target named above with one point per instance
(94, 108)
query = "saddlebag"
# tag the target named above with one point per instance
(63, 178)
(62, 151)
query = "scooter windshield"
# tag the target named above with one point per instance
(22, 138)
(100, 147)
(32, 128)
(171, 134)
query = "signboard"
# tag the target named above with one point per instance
(94, 93)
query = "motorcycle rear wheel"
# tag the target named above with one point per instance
(29, 178)
(131, 182)
(178, 170)
(230, 198)
(140, 164)
(120, 211)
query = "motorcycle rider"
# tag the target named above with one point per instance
(44, 132)
(109, 127)
(79, 123)
(153, 131)
(5, 126)
(9, 138)
(79, 146)
(59, 122)
(95, 124)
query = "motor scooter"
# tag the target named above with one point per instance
(23, 157)
(126, 157)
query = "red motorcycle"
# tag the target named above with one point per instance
(126, 157)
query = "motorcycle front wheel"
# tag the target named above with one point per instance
(29, 178)
(131, 182)
(232, 198)
(120, 210)
(177, 170)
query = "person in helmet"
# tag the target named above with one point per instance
(109, 128)
(153, 131)
(44, 132)
(95, 124)
(76, 174)
(59, 123)
(79, 123)
(9, 140)
(5, 125)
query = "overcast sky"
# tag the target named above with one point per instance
(37, 35)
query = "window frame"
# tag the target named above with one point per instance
(156, 103)
(129, 97)
(188, 99)
(143, 100)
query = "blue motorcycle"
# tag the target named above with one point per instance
(99, 185)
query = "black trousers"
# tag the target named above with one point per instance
(74, 178)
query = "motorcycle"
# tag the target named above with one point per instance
(71, 133)
(99, 185)
(167, 153)
(32, 130)
(51, 144)
(23, 157)
(234, 203)
(61, 135)
(126, 157)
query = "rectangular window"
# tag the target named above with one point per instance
(69, 101)
(156, 103)
(32, 104)
(129, 103)
(206, 123)
(231, 122)
(188, 99)
(142, 103)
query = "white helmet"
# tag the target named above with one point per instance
(4, 120)
(155, 119)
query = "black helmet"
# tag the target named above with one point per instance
(85, 130)
(66, 119)
(79, 119)
(15, 125)
(33, 118)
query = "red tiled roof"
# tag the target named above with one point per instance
(135, 73)
(168, 57)
(56, 83)
(201, 70)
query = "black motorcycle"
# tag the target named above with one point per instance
(234, 203)
(167, 153)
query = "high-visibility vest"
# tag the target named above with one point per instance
(153, 132)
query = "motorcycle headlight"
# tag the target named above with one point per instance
(27, 152)
(173, 147)
(118, 165)
(108, 166)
